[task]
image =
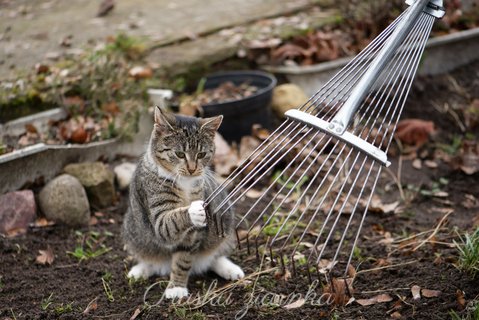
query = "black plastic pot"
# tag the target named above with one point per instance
(240, 115)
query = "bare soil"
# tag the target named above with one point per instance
(64, 289)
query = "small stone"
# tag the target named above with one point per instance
(64, 200)
(287, 96)
(417, 164)
(431, 164)
(17, 210)
(98, 181)
(124, 173)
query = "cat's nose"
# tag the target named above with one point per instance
(191, 171)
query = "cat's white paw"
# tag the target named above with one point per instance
(227, 269)
(197, 213)
(176, 293)
(141, 270)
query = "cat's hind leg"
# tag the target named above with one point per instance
(226, 269)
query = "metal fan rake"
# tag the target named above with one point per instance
(320, 167)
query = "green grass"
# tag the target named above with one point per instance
(468, 248)
(90, 245)
(64, 308)
(106, 279)
(471, 312)
(46, 302)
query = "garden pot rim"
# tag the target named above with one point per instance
(235, 73)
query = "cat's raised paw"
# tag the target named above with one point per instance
(227, 269)
(197, 213)
(176, 293)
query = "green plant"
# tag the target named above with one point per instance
(64, 308)
(90, 245)
(46, 302)
(468, 248)
(470, 313)
(106, 287)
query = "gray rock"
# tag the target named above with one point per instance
(124, 173)
(98, 181)
(64, 200)
(17, 210)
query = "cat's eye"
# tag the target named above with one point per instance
(180, 154)
(201, 155)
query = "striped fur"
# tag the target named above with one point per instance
(157, 228)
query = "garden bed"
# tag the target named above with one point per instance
(412, 246)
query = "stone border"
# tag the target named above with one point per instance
(28, 164)
(442, 54)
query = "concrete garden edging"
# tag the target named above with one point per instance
(28, 164)
(442, 54)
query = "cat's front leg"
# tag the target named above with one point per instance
(226, 269)
(180, 269)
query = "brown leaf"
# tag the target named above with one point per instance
(226, 158)
(340, 289)
(461, 300)
(45, 257)
(430, 293)
(376, 205)
(31, 128)
(111, 107)
(79, 135)
(431, 164)
(374, 300)
(42, 222)
(92, 306)
(414, 132)
(140, 72)
(136, 314)
(396, 315)
(15, 232)
(93, 221)
(283, 275)
(416, 292)
(294, 305)
(254, 194)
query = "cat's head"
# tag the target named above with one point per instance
(183, 145)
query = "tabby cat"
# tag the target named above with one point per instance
(166, 228)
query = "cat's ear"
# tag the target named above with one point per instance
(211, 124)
(164, 120)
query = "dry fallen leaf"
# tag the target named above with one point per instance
(461, 300)
(140, 72)
(254, 194)
(92, 306)
(430, 293)
(294, 305)
(136, 314)
(341, 290)
(416, 292)
(396, 315)
(283, 275)
(45, 257)
(381, 298)
(376, 205)
(414, 132)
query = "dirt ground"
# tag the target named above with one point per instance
(386, 264)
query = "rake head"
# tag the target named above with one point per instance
(317, 172)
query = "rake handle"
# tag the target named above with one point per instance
(343, 117)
